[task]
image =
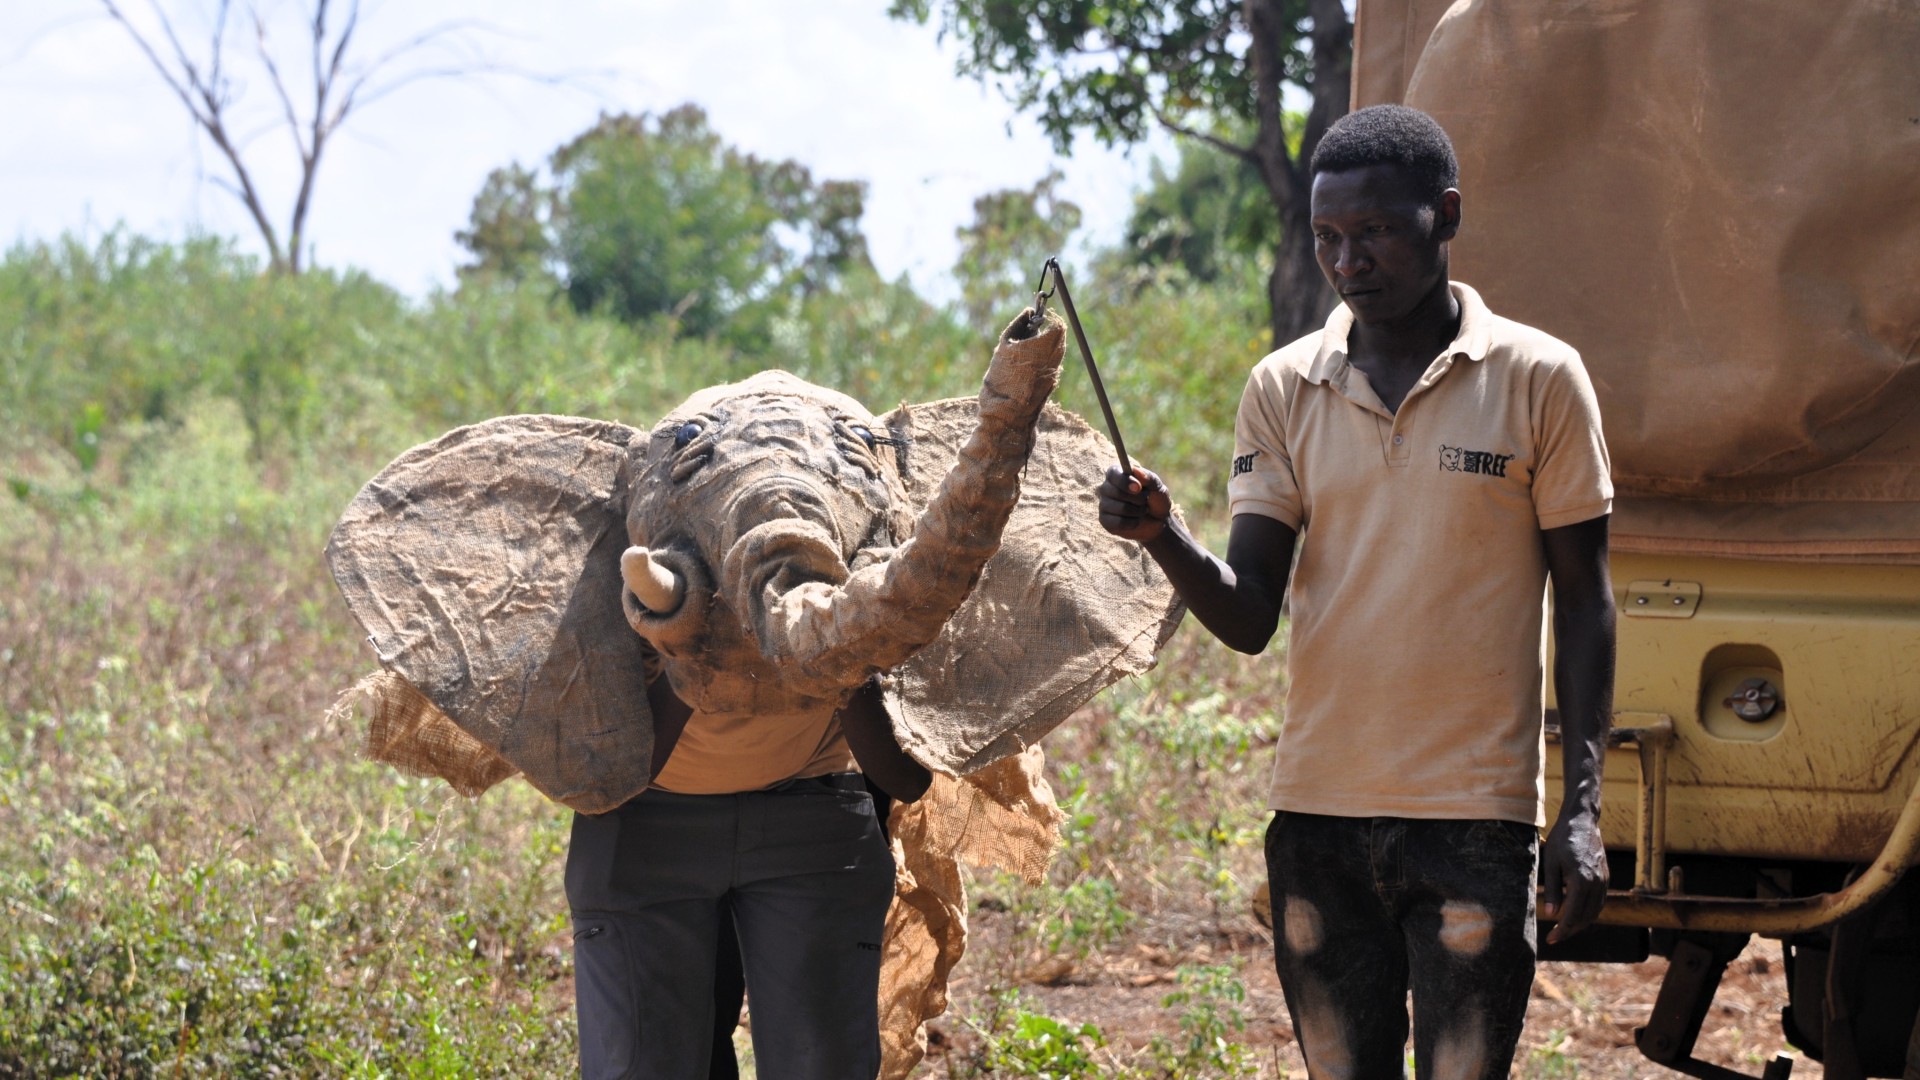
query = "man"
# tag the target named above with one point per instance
(1439, 465)
(679, 900)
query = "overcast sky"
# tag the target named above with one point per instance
(90, 137)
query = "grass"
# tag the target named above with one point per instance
(1016, 1039)
(205, 879)
(202, 877)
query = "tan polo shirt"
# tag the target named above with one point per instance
(1416, 658)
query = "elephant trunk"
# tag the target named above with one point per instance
(840, 631)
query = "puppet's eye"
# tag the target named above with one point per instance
(685, 434)
(865, 435)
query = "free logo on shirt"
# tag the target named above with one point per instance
(1486, 463)
(1243, 463)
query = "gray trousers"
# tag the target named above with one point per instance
(808, 879)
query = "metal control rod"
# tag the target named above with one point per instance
(1080, 336)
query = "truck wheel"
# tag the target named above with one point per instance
(1854, 992)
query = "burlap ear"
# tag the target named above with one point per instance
(485, 568)
(1061, 612)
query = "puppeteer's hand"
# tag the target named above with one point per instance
(1134, 506)
(1573, 864)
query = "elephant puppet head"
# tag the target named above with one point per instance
(778, 560)
(739, 496)
(777, 545)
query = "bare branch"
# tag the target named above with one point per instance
(205, 102)
(322, 123)
(363, 98)
(358, 94)
(279, 84)
(339, 87)
(219, 36)
(421, 40)
(340, 47)
(159, 65)
(1225, 146)
(226, 185)
(209, 90)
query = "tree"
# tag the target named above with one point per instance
(1115, 68)
(1210, 216)
(1013, 232)
(507, 230)
(644, 215)
(334, 81)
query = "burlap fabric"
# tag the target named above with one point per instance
(485, 567)
(1069, 610)
(1716, 204)
(810, 588)
(1003, 816)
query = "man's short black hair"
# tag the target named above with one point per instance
(1396, 135)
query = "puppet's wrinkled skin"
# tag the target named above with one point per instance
(776, 563)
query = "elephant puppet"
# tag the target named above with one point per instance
(769, 547)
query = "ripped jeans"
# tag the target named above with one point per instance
(1365, 909)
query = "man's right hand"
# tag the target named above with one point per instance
(1238, 600)
(1134, 507)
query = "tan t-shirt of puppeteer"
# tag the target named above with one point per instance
(1417, 651)
(723, 754)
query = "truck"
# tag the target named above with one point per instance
(1718, 203)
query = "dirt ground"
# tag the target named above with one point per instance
(1580, 1023)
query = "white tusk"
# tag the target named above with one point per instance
(651, 582)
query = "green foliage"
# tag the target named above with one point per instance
(1108, 67)
(507, 229)
(1210, 1016)
(657, 216)
(200, 875)
(1080, 917)
(1020, 1042)
(1012, 234)
(1174, 355)
(1209, 1000)
(1550, 1062)
(1216, 71)
(1211, 216)
(1160, 798)
(881, 343)
(127, 328)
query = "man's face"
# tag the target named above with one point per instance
(1382, 247)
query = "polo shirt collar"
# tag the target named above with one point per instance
(1471, 342)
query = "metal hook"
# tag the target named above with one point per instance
(1040, 294)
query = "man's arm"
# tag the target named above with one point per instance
(1239, 599)
(670, 716)
(1573, 861)
(865, 722)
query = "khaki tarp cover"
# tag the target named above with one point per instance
(1718, 204)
